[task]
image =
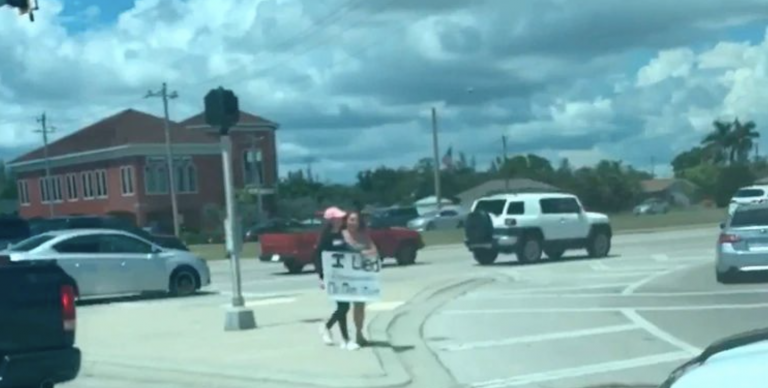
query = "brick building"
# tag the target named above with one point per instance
(117, 166)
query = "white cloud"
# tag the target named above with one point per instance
(668, 63)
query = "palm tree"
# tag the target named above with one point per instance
(743, 140)
(718, 143)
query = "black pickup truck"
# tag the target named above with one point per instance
(37, 325)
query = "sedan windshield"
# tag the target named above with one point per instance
(31, 243)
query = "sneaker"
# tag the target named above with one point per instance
(326, 334)
(350, 346)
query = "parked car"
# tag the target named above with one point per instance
(392, 217)
(38, 226)
(748, 195)
(652, 206)
(37, 340)
(295, 250)
(451, 218)
(735, 361)
(743, 243)
(112, 262)
(275, 225)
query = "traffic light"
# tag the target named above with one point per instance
(25, 7)
(222, 109)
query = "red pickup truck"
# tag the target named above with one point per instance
(296, 250)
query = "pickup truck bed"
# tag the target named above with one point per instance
(37, 325)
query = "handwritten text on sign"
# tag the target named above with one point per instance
(351, 277)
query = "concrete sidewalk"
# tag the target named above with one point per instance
(181, 342)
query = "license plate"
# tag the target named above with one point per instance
(275, 257)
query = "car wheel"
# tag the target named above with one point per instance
(406, 254)
(485, 256)
(479, 228)
(293, 266)
(530, 250)
(727, 277)
(599, 244)
(429, 226)
(554, 253)
(184, 281)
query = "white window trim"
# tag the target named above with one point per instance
(184, 163)
(246, 167)
(23, 188)
(102, 174)
(50, 189)
(151, 166)
(86, 178)
(72, 179)
(129, 173)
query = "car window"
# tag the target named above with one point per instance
(516, 208)
(559, 205)
(116, 243)
(746, 193)
(750, 217)
(31, 243)
(491, 206)
(79, 244)
(449, 213)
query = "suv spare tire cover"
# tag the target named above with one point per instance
(478, 227)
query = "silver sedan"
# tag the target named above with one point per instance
(439, 220)
(743, 243)
(110, 262)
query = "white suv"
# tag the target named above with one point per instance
(534, 223)
(748, 195)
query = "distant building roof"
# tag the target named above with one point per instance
(497, 186)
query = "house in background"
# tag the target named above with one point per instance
(498, 186)
(678, 192)
(117, 166)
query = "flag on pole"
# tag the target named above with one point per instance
(448, 159)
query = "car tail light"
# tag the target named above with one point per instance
(69, 315)
(510, 222)
(729, 238)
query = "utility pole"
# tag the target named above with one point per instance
(255, 166)
(163, 93)
(436, 151)
(504, 150)
(48, 183)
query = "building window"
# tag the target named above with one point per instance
(86, 179)
(101, 184)
(252, 157)
(72, 193)
(50, 189)
(156, 175)
(126, 180)
(23, 192)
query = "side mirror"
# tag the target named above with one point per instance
(156, 251)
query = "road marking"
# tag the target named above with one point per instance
(540, 337)
(599, 266)
(644, 268)
(660, 257)
(608, 309)
(640, 295)
(515, 293)
(642, 282)
(265, 302)
(384, 306)
(659, 333)
(559, 374)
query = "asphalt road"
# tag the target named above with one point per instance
(630, 318)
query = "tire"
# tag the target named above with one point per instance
(554, 253)
(184, 281)
(478, 228)
(485, 256)
(293, 267)
(530, 249)
(599, 244)
(429, 226)
(406, 254)
(725, 277)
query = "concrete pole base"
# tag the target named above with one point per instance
(239, 318)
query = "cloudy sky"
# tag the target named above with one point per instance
(352, 81)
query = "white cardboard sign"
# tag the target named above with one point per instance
(351, 277)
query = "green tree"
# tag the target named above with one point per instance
(730, 180)
(719, 142)
(744, 137)
(689, 159)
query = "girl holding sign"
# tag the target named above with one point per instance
(331, 239)
(356, 236)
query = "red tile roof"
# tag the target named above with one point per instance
(131, 127)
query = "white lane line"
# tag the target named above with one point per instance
(540, 337)
(384, 306)
(527, 291)
(265, 302)
(680, 294)
(559, 374)
(659, 333)
(606, 309)
(599, 266)
(643, 268)
(642, 282)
